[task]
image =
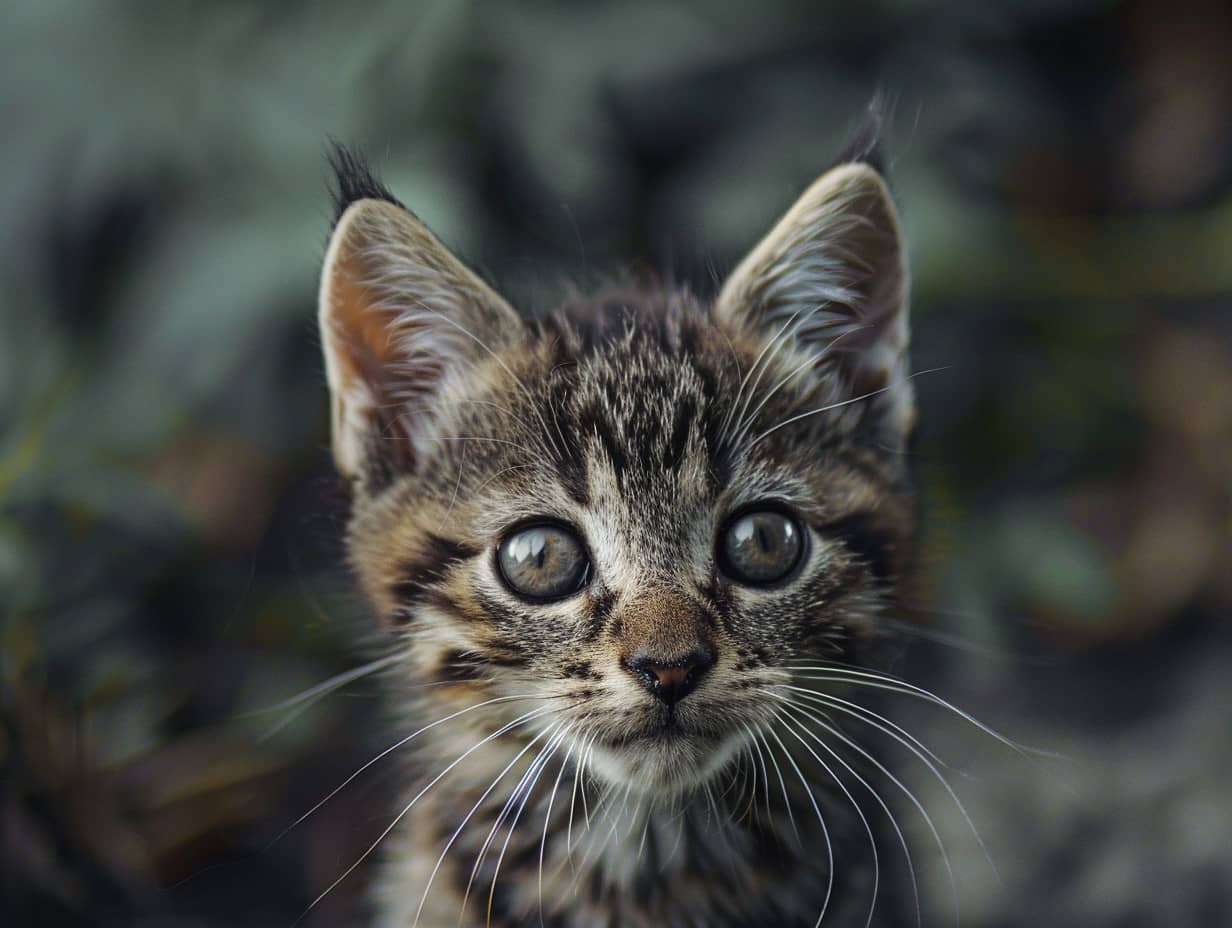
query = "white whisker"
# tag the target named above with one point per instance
(837, 405)
(924, 759)
(461, 825)
(533, 714)
(393, 747)
(541, 762)
(810, 362)
(327, 686)
(547, 815)
(761, 760)
(868, 830)
(836, 701)
(902, 839)
(825, 831)
(880, 681)
(945, 859)
(778, 772)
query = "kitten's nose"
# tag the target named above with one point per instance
(672, 680)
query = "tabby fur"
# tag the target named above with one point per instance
(543, 784)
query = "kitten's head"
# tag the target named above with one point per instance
(641, 510)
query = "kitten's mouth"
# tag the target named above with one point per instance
(668, 736)
(667, 755)
(665, 727)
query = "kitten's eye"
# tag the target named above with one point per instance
(760, 547)
(543, 562)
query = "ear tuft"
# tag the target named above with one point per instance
(353, 180)
(864, 145)
(401, 318)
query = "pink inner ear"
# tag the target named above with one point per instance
(360, 337)
(361, 329)
(398, 311)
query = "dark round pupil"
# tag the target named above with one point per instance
(762, 547)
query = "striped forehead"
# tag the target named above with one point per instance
(646, 409)
(641, 422)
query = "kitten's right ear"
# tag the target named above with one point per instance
(399, 316)
(832, 277)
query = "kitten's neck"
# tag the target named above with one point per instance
(750, 848)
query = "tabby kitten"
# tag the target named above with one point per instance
(631, 551)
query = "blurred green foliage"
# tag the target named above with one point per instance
(169, 529)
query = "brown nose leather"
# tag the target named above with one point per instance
(671, 676)
(672, 680)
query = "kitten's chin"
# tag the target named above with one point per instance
(667, 763)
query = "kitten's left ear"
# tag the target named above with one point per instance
(831, 278)
(401, 320)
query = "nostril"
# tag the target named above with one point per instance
(670, 681)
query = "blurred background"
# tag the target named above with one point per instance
(169, 525)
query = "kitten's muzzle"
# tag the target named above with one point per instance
(670, 681)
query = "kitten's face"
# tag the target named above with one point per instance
(641, 511)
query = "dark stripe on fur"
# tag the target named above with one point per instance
(616, 454)
(353, 180)
(679, 439)
(440, 555)
(864, 145)
(870, 543)
(599, 611)
(581, 670)
(460, 667)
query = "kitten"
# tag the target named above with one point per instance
(631, 551)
